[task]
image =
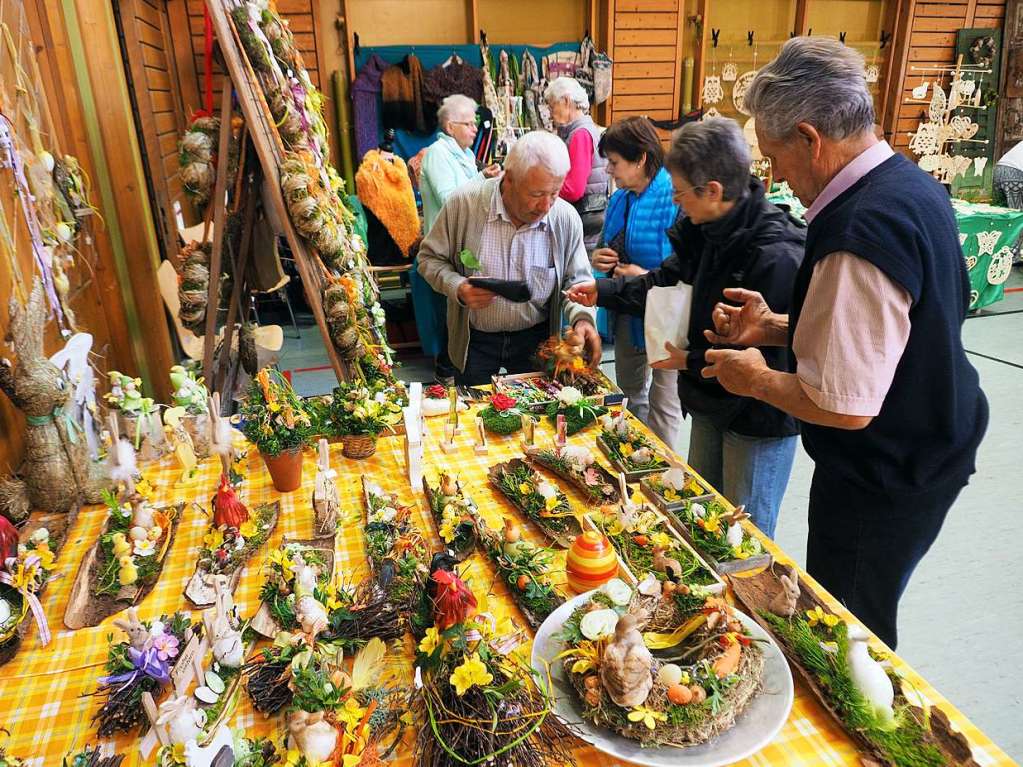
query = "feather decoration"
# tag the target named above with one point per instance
(367, 668)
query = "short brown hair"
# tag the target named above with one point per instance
(630, 138)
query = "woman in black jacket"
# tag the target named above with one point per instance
(730, 236)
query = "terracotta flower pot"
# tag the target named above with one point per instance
(285, 469)
(358, 445)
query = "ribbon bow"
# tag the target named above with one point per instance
(22, 580)
(147, 663)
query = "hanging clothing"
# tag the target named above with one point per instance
(401, 88)
(455, 76)
(365, 100)
(385, 189)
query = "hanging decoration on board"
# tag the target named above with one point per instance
(712, 112)
(971, 261)
(986, 242)
(920, 91)
(739, 91)
(938, 105)
(729, 71)
(963, 237)
(872, 73)
(978, 165)
(713, 93)
(925, 140)
(1000, 268)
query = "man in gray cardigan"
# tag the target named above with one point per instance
(517, 228)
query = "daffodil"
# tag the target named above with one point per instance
(178, 753)
(213, 538)
(671, 494)
(247, 529)
(351, 713)
(647, 716)
(274, 407)
(817, 615)
(661, 539)
(47, 559)
(280, 558)
(333, 602)
(293, 757)
(551, 503)
(472, 672)
(587, 657)
(710, 524)
(430, 642)
(525, 488)
(447, 530)
(739, 553)
(144, 488)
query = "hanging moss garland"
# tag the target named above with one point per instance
(193, 287)
(195, 159)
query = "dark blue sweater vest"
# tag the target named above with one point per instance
(935, 414)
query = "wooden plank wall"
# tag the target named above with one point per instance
(646, 49)
(929, 40)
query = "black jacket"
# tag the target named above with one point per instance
(756, 246)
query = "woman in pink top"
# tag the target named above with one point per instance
(586, 185)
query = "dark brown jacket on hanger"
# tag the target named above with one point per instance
(401, 88)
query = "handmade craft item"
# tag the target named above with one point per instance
(671, 488)
(579, 412)
(435, 402)
(326, 502)
(180, 442)
(706, 672)
(278, 423)
(125, 563)
(190, 393)
(454, 513)
(712, 92)
(502, 415)
(57, 474)
(196, 152)
(577, 465)
(359, 414)
(25, 570)
(87, 757)
(228, 544)
(719, 535)
(628, 449)
(73, 359)
(591, 562)
(903, 729)
(278, 610)
(193, 268)
(539, 499)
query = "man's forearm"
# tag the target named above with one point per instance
(783, 391)
(777, 330)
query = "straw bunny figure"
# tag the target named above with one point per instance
(784, 602)
(57, 473)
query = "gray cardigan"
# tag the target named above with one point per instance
(460, 226)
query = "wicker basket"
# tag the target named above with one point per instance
(358, 445)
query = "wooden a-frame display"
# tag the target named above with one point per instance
(270, 150)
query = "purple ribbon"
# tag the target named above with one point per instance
(147, 663)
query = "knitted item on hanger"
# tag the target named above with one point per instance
(401, 88)
(457, 76)
(385, 188)
(365, 100)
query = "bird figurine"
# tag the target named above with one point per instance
(667, 565)
(868, 676)
(452, 600)
(8, 540)
(625, 671)
(513, 543)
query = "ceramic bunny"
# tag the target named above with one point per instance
(183, 720)
(206, 756)
(138, 634)
(313, 736)
(311, 615)
(57, 474)
(784, 602)
(868, 675)
(227, 639)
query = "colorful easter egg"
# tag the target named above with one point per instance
(591, 562)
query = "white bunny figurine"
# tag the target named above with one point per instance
(226, 640)
(868, 675)
(311, 615)
(183, 720)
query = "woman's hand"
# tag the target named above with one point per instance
(629, 270)
(604, 259)
(677, 360)
(583, 293)
(745, 325)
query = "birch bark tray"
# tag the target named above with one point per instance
(85, 608)
(754, 728)
(263, 622)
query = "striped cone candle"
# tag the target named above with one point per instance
(591, 562)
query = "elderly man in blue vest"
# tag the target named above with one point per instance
(515, 228)
(892, 412)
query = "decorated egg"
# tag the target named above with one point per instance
(138, 533)
(591, 562)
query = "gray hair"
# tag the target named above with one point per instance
(711, 150)
(567, 88)
(453, 105)
(538, 148)
(815, 80)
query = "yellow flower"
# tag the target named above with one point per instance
(213, 538)
(647, 716)
(293, 757)
(472, 672)
(525, 488)
(552, 503)
(47, 559)
(817, 615)
(671, 494)
(587, 657)
(348, 760)
(661, 539)
(274, 407)
(739, 553)
(144, 488)
(351, 713)
(447, 530)
(178, 753)
(430, 642)
(280, 558)
(248, 529)
(637, 497)
(711, 525)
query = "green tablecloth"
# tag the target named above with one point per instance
(988, 236)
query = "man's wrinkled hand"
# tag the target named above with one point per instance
(737, 371)
(677, 360)
(591, 340)
(474, 297)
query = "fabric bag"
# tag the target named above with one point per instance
(601, 78)
(667, 319)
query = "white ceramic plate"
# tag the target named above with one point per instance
(754, 729)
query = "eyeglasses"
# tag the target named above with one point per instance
(467, 123)
(678, 194)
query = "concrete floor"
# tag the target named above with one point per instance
(965, 600)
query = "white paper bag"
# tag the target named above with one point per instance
(667, 319)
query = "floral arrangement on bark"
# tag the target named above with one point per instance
(280, 595)
(579, 411)
(628, 449)
(578, 465)
(525, 568)
(189, 392)
(647, 545)
(706, 671)
(502, 415)
(25, 570)
(718, 534)
(454, 513)
(538, 498)
(671, 488)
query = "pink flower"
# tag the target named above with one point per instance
(436, 392)
(166, 645)
(591, 477)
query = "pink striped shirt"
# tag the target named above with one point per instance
(855, 322)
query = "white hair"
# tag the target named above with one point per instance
(454, 105)
(567, 88)
(815, 80)
(538, 149)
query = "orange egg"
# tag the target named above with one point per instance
(591, 562)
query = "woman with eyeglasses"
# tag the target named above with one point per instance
(448, 164)
(729, 236)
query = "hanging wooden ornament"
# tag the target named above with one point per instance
(872, 73)
(966, 87)
(978, 165)
(963, 238)
(1000, 267)
(749, 131)
(963, 127)
(974, 295)
(712, 90)
(971, 261)
(986, 242)
(712, 112)
(929, 162)
(729, 71)
(938, 105)
(920, 91)
(739, 91)
(925, 140)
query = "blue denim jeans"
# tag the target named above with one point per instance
(747, 470)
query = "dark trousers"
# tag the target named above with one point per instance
(863, 546)
(489, 352)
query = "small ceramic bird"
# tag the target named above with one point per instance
(868, 675)
(625, 670)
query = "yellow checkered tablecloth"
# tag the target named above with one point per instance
(45, 698)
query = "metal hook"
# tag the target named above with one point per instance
(715, 34)
(355, 41)
(749, 37)
(483, 37)
(885, 37)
